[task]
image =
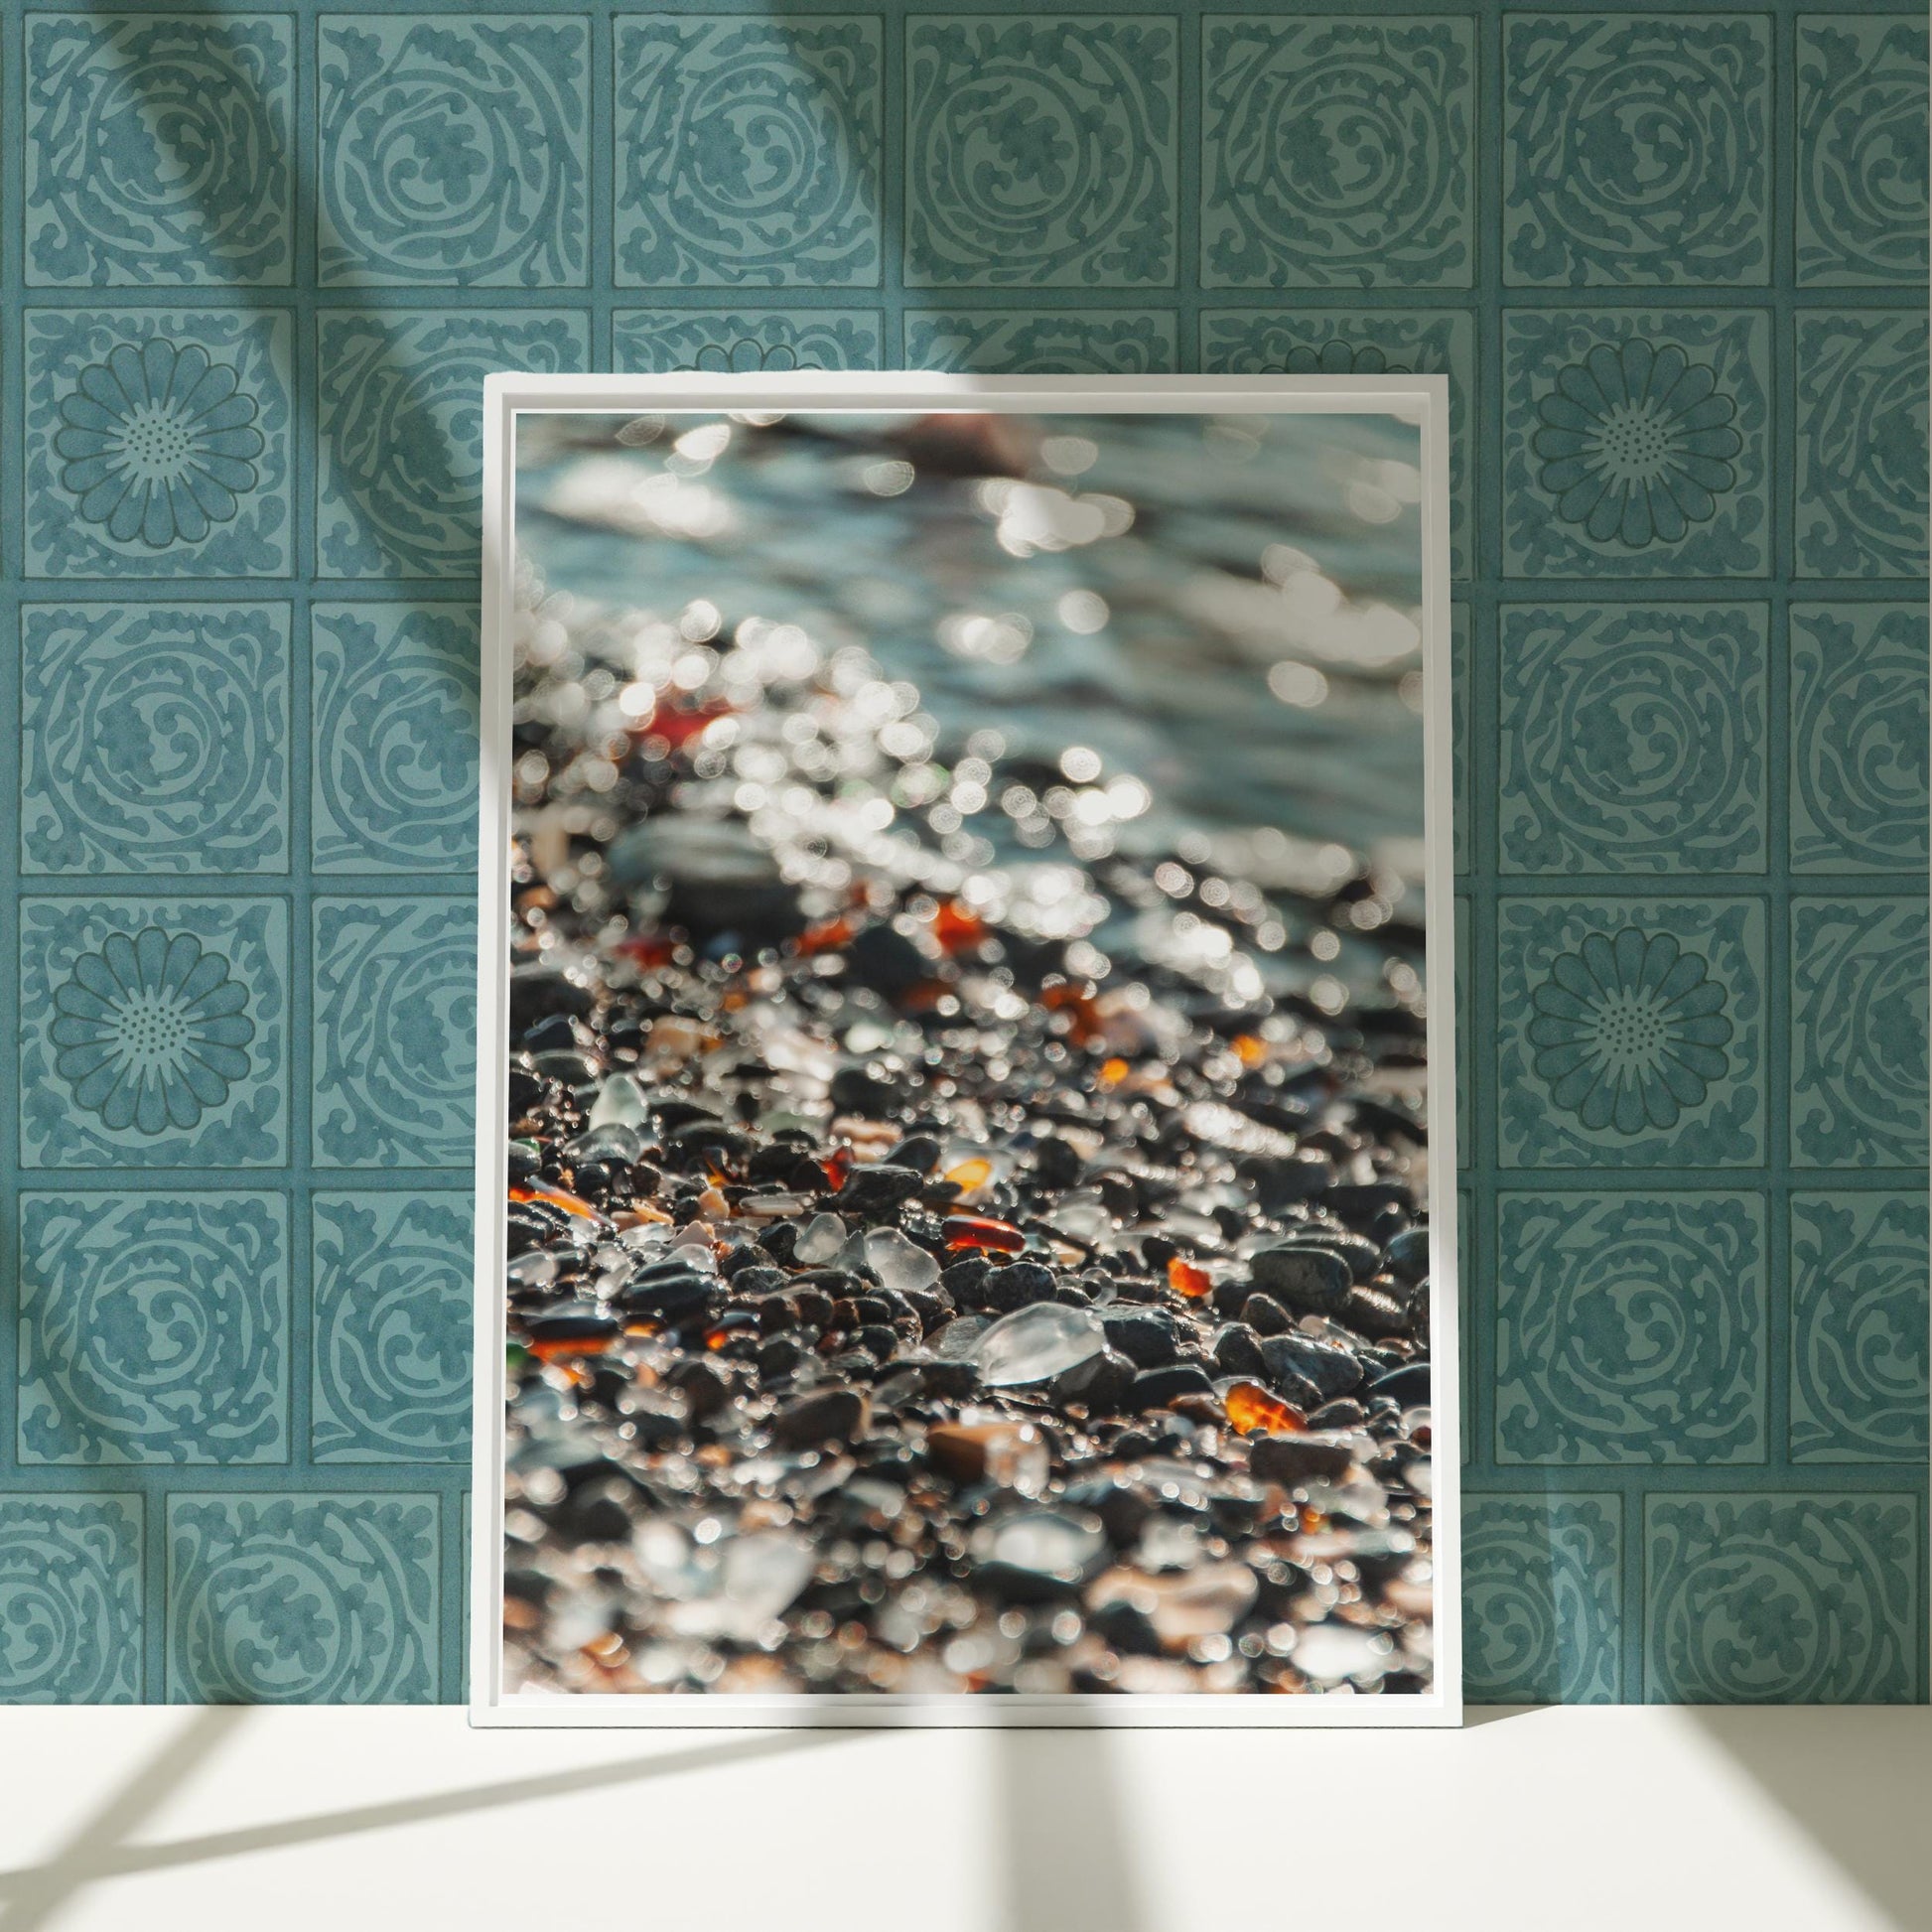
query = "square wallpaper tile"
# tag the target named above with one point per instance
(1635, 443)
(301, 1598)
(154, 1329)
(1631, 1329)
(1335, 152)
(399, 418)
(1633, 738)
(154, 1033)
(1041, 151)
(158, 442)
(1860, 150)
(1541, 1589)
(154, 737)
(1630, 1032)
(1808, 1599)
(453, 149)
(159, 150)
(393, 1053)
(1637, 149)
(748, 151)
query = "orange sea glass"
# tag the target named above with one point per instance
(1252, 1410)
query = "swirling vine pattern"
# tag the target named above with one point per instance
(1040, 153)
(395, 729)
(1539, 1600)
(154, 1329)
(1781, 1601)
(395, 1031)
(148, 461)
(155, 739)
(1859, 1064)
(1024, 342)
(391, 1329)
(1542, 1124)
(1859, 729)
(70, 1599)
(453, 151)
(286, 1599)
(1862, 151)
(399, 492)
(1638, 150)
(158, 150)
(1858, 1372)
(1337, 154)
(1862, 486)
(748, 152)
(729, 340)
(1630, 1330)
(1695, 521)
(1632, 740)
(243, 946)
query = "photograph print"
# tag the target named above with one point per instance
(967, 1168)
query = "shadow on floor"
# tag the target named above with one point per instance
(1067, 1859)
(99, 1848)
(1856, 1780)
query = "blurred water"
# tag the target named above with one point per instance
(1283, 547)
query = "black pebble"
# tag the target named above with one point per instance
(879, 1190)
(919, 1152)
(1310, 1279)
(1291, 1459)
(1146, 1338)
(1129, 1630)
(1156, 1388)
(536, 991)
(1266, 1315)
(825, 1416)
(857, 1090)
(1238, 1352)
(1057, 1163)
(1408, 1386)
(1019, 1285)
(1100, 1382)
(1407, 1255)
(1330, 1370)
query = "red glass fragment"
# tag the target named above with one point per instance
(1186, 1278)
(957, 927)
(982, 1231)
(557, 1197)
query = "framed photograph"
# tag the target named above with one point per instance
(965, 1214)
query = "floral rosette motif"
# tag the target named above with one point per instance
(1636, 443)
(1629, 1032)
(150, 1031)
(159, 443)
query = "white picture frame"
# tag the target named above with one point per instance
(1420, 399)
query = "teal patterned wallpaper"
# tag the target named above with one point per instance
(253, 267)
